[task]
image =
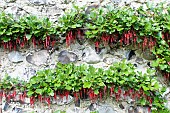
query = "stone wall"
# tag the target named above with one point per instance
(24, 63)
(54, 8)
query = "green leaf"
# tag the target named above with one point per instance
(30, 93)
(143, 101)
(68, 87)
(145, 88)
(100, 19)
(51, 93)
(6, 39)
(96, 91)
(28, 36)
(87, 85)
(101, 84)
(33, 81)
(39, 91)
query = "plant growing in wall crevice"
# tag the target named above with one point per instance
(70, 23)
(162, 61)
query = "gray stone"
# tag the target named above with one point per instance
(140, 110)
(138, 52)
(129, 54)
(31, 10)
(3, 4)
(116, 1)
(38, 58)
(38, 2)
(131, 109)
(5, 106)
(54, 10)
(43, 2)
(12, 10)
(18, 72)
(89, 56)
(148, 55)
(106, 109)
(166, 94)
(8, 1)
(139, 60)
(121, 53)
(66, 57)
(17, 110)
(109, 59)
(15, 56)
(64, 100)
(123, 105)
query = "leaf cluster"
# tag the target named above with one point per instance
(28, 26)
(162, 53)
(73, 78)
(7, 83)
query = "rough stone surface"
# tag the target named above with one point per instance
(85, 54)
(38, 58)
(15, 56)
(66, 57)
(54, 8)
(148, 55)
(90, 56)
(24, 64)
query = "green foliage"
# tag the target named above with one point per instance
(72, 19)
(15, 33)
(73, 78)
(122, 26)
(163, 52)
(164, 110)
(59, 111)
(70, 78)
(41, 84)
(8, 84)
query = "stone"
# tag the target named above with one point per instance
(66, 57)
(123, 105)
(28, 73)
(77, 49)
(138, 52)
(15, 56)
(31, 10)
(17, 110)
(5, 106)
(18, 72)
(89, 56)
(106, 109)
(140, 110)
(43, 2)
(166, 95)
(12, 10)
(148, 55)
(77, 103)
(54, 10)
(3, 4)
(64, 101)
(135, 5)
(38, 2)
(92, 106)
(38, 58)
(109, 59)
(8, 1)
(129, 54)
(121, 53)
(116, 1)
(48, 111)
(131, 109)
(139, 60)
